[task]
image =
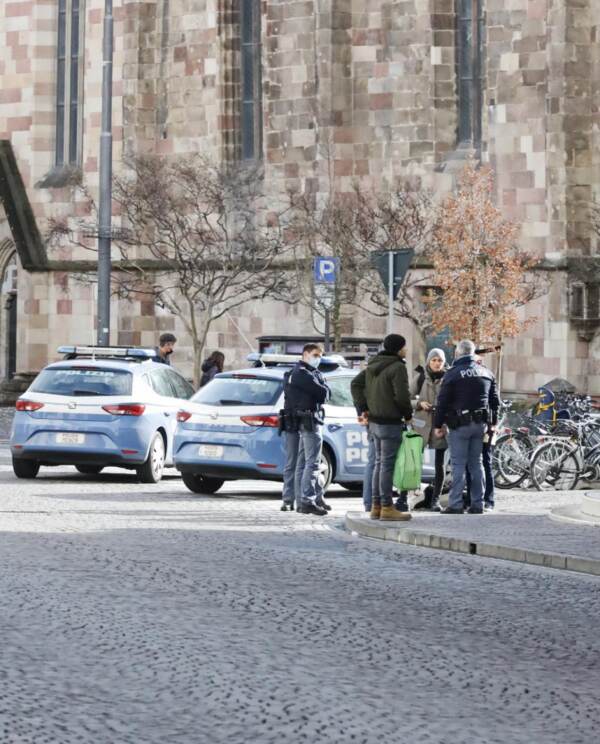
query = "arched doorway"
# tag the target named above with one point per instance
(8, 317)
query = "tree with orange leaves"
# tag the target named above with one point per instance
(481, 276)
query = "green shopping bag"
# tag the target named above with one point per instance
(409, 462)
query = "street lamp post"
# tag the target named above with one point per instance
(105, 201)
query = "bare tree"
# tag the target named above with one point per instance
(353, 227)
(198, 240)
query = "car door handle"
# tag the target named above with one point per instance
(166, 413)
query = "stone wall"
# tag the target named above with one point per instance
(353, 91)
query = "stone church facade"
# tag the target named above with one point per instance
(321, 93)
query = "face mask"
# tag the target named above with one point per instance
(314, 361)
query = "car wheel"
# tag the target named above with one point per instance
(198, 483)
(90, 469)
(325, 469)
(25, 468)
(151, 471)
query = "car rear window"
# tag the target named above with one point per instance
(239, 391)
(76, 381)
(340, 391)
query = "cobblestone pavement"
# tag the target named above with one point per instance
(138, 614)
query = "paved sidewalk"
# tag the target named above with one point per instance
(507, 534)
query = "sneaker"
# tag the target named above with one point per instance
(321, 502)
(312, 509)
(488, 508)
(391, 514)
(449, 510)
(285, 507)
(475, 510)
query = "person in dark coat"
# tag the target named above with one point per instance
(212, 366)
(305, 392)
(468, 405)
(166, 346)
(381, 394)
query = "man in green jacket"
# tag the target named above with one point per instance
(381, 394)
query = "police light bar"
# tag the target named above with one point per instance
(269, 358)
(107, 351)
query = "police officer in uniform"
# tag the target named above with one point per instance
(301, 421)
(468, 405)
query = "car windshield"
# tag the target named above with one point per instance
(239, 391)
(80, 381)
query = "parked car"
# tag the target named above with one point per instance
(101, 406)
(229, 429)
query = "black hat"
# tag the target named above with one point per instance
(394, 342)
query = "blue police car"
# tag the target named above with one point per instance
(100, 406)
(229, 429)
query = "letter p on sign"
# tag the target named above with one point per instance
(325, 269)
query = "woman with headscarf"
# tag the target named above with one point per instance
(425, 387)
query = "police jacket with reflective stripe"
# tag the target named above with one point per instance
(467, 386)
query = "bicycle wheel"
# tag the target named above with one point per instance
(591, 465)
(512, 456)
(554, 467)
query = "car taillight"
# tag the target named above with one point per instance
(28, 405)
(125, 409)
(267, 420)
(183, 416)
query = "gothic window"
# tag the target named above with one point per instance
(251, 82)
(470, 41)
(69, 81)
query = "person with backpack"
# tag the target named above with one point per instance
(425, 387)
(381, 393)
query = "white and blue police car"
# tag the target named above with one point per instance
(99, 407)
(229, 429)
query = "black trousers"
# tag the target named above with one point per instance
(438, 482)
(439, 472)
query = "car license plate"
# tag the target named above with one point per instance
(68, 437)
(210, 450)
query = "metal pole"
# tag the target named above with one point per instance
(390, 322)
(327, 330)
(105, 201)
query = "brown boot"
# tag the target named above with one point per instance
(375, 511)
(391, 514)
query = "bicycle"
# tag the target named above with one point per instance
(515, 448)
(560, 462)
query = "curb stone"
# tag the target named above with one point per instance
(422, 539)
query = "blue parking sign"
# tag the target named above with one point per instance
(325, 269)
